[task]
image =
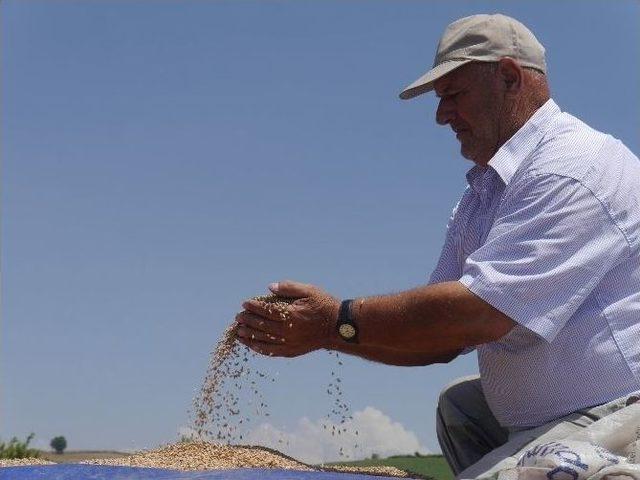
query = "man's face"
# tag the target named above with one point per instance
(470, 104)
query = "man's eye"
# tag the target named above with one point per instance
(450, 96)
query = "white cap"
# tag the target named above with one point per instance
(480, 38)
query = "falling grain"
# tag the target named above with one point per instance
(218, 414)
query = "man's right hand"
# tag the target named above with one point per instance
(308, 325)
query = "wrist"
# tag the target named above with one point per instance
(331, 325)
(347, 329)
(356, 308)
(333, 336)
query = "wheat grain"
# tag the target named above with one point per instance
(218, 412)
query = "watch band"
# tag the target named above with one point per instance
(346, 326)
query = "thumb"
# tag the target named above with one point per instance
(292, 289)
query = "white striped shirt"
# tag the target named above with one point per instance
(549, 234)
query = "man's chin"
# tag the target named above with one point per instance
(474, 157)
(468, 152)
(465, 152)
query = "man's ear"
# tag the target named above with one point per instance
(511, 75)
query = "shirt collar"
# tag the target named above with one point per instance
(474, 177)
(510, 155)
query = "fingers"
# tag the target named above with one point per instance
(287, 288)
(259, 323)
(270, 349)
(262, 309)
(291, 289)
(258, 336)
(256, 328)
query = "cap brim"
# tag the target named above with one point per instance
(425, 83)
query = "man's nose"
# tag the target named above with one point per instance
(445, 112)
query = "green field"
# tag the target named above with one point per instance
(434, 466)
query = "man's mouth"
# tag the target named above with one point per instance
(459, 131)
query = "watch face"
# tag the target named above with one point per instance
(347, 331)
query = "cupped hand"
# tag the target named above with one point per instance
(306, 326)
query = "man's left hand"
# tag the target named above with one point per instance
(308, 326)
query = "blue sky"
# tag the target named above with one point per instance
(164, 160)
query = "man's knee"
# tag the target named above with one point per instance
(458, 393)
(465, 425)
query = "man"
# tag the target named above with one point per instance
(540, 269)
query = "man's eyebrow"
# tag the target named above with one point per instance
(445, 91)
(448, 89)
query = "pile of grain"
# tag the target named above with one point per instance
(18, 462)
(205, 456)
(209, 456)
(387, 471)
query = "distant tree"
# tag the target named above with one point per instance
(375, 456)
(58, 444)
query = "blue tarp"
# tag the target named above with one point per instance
(99, 472)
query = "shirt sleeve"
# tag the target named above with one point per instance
(449, 266)
(550, 245)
